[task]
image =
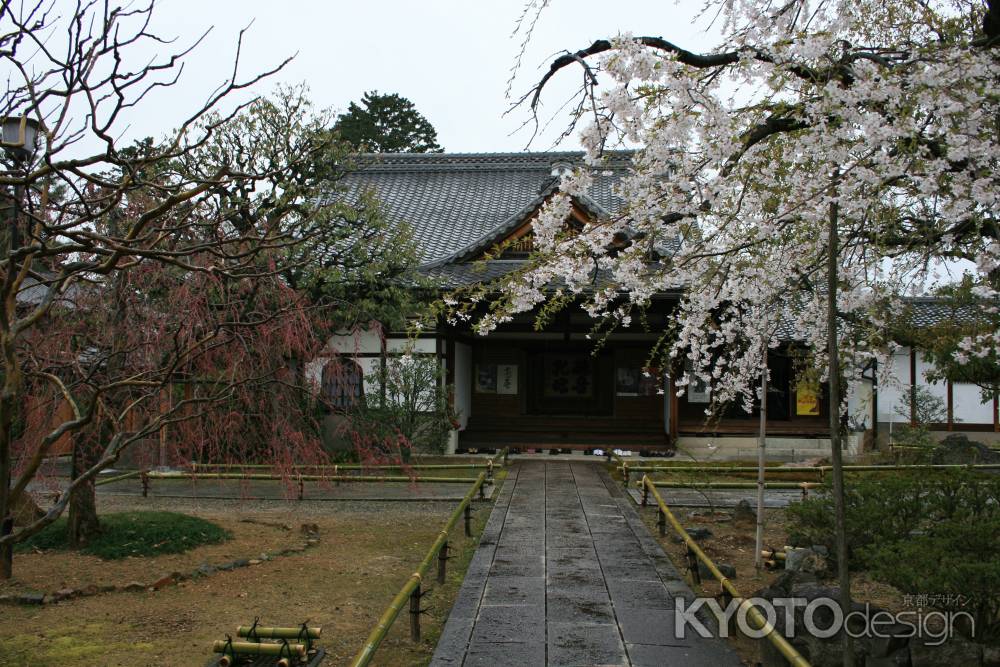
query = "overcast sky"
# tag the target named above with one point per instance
(451, 58)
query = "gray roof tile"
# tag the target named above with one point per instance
(455, 201)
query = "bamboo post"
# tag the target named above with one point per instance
(144, 477)
(758, 620)
(489, 469)
(442, 562)
(482, 492)
(625, 474)
(415, 615)
(412, 585)
(302, 488)
(468, 520)
(693, 566)
(661, 522)
(645, 495)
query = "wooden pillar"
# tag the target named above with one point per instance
(913, 387)
(673, 426)
(996, 412)
(951, 406)
(875, 403)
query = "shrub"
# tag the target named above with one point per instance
(936, 534)
(125, 534)
(952, 559)
(876, 508)
(412, 410)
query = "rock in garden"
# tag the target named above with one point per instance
(31, 597)
(804, 560)
(700, 534)
(728, 571)
(744, 513)
(954, 651)
(957, 448)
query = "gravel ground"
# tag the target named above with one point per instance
(117, 503)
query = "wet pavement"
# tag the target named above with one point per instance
(566, 574)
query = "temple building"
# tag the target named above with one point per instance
(471, 218)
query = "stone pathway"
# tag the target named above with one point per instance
(566, 574)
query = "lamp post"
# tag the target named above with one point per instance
(18, 138)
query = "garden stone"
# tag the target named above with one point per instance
(744, 513)
(790, 578)
(241, 562)
(697, 534)
(64, 594)
(31, 597)
(205, 569)
(954, 651)
(957, 448)
(133, 586)
(728, 571)
(900, 658)
(804, 560)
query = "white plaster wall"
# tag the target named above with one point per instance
(969, 406)
(463, 383)
(419, 346)
(361, 341)
(859, 402)
(892, 392)
(939, 388)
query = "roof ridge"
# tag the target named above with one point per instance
(525, 160)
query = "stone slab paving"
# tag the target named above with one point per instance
(567, 575)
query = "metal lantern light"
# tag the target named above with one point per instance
(20, 135)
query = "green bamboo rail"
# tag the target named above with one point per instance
(780, 643)
(729, 485)
(118, 478)
(336, 468)
(412, 586)
(820, 470)
(306, 478)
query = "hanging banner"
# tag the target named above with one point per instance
(807, 400)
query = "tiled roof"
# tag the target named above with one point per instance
(930, 311)
(455, 202)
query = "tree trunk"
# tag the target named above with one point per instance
(82, 522)
(836, 456)
(761, 444)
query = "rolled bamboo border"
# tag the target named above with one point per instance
(779, 642)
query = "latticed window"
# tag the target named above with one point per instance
(342, 384)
